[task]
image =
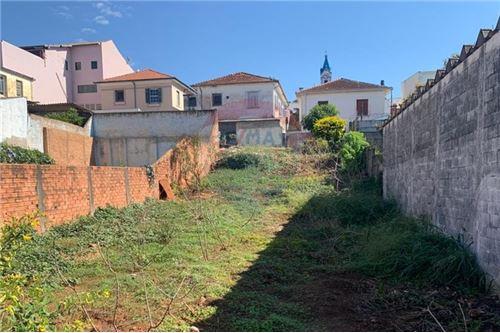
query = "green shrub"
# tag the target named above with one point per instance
(351, 151)
(331, 129)
(17, 155)
(240, 160)
(318, 112)
(71, 116)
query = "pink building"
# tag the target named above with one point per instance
(66, 73)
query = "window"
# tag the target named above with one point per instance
(362, 107)
(178, 97)
(191, 101)
(78, 66)
(322, 102)
(3, 84)
(119, 96)
(153, 95)
(19, 88)
(252, 99)
(216, 99)
(66, 66)
(87, 88)
(93, 64)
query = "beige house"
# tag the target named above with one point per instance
(13, 84)
(145, 90)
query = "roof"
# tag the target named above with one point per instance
(46, 46)
(146, 74)
(236, 78)
(342, 84)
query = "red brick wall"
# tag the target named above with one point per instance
(67, 148)
(66, 192)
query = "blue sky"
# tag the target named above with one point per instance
(196, 41)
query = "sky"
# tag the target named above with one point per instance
(197, 41)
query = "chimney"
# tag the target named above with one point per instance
(382, 83)
(301, 88)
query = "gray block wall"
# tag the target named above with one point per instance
(442, 154)
(140, 138)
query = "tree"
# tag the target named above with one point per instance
(318, 112)
(351, 153)
(330, 128)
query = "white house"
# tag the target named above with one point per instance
(420, 78)
(251, 108)
(354, 99)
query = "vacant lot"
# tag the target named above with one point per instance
(264, 243)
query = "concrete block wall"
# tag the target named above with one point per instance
(442, 154)
(141, 138)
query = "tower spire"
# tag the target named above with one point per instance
(325, 71)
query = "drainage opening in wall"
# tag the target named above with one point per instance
(163, 193)
(165, 190)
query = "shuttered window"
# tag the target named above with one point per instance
(362, 107)
(153, 95)
(3, 84)
(252, 99)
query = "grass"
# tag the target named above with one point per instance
(266, 245)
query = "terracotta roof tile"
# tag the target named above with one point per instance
(235, 78)
(146, 74)
(342, 84)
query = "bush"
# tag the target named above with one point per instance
(17, 155)
(240, 161)
(351, 152)
(71, 116)
(318, 112)
(331, 129)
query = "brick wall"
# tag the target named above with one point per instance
(66, 192)
(67, 148)
(442, 153)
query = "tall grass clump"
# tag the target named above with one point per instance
(414, 250)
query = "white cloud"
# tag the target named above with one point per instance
(89, 30)
(62, 11)
(101, 20)
(106, 9)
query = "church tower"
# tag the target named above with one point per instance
(325, 71)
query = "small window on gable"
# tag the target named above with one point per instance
(216, 99)
(119, 96)
(252, 99)
(362, 107)
(78, 66)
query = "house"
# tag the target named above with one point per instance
(354, 99)
(420, 78)
(146, 90)
(252, 109)
(65, 73)
(14, 84)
